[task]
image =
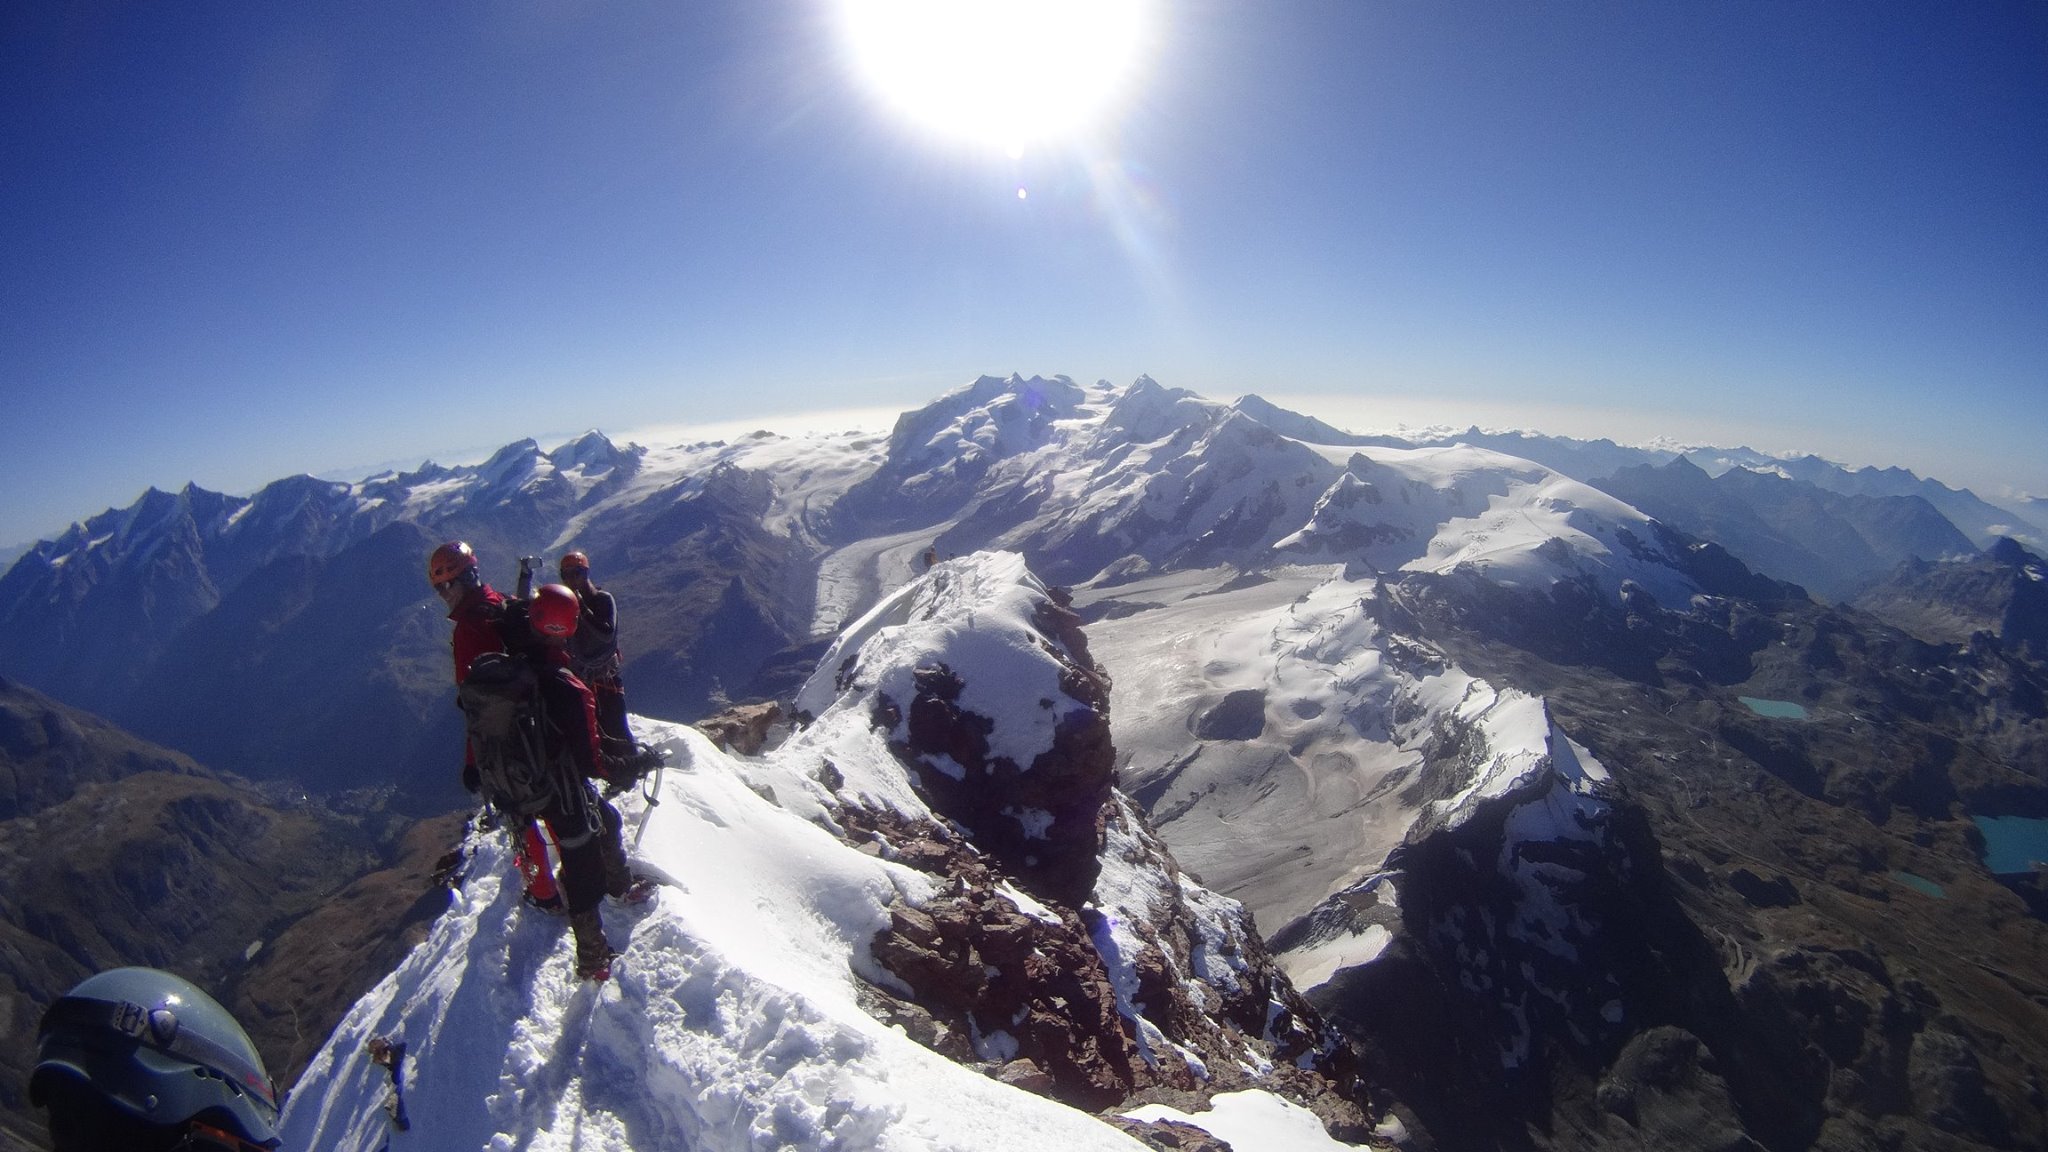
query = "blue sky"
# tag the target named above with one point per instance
(246, 240)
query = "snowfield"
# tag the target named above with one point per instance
(730, 1021)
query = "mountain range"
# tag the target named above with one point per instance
(1557, 811)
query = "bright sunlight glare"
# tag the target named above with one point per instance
(1007, 74)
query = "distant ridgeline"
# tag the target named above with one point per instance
(1600, 797)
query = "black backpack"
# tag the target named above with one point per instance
(501, 704)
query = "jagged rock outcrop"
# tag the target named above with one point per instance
(1042, 821)
(1067, 951)
(743, 728)
(1014, 743)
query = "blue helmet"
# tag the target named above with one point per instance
(156, 1050)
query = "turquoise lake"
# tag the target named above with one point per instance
(1921, 884)
(1775, 709)
(2013, 843)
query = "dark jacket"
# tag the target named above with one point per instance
(571, 712)
(594, 649)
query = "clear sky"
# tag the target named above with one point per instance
(243, 240)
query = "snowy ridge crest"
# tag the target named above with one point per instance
(1518, 524)
(732, 1022)
(1495, 770)
(1099, 481)
(836, 963)
(1110, 971)
(1508, 876)
(306, 515)
(976, 617)
(1507, 746)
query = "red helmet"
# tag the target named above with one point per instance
(574, 562)
(553, 611)
(449, 561)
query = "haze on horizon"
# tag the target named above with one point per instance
(247, 241)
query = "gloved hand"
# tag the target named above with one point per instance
(471, 778)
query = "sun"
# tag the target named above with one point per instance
(1008, 74)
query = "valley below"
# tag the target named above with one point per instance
(1585, 830)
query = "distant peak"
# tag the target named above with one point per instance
(1288, 422)
(517, 450)
(515, 460)
(591, 448)
(2005, 550)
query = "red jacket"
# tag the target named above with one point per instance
(476, 628)
(476, 632)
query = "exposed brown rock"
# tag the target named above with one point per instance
(1170, 1135)
(972, 959)
(1155, 990)
(743, 728)
(996, 798)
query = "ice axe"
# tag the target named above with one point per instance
(652, 794)
(526, 566)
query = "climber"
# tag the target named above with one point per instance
(534, 728)
(594, 653)
(479, 612)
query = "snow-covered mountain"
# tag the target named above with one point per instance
(838, 960)
(259, 633)
(1982, 521)
(1103, 483)
(1472, 739)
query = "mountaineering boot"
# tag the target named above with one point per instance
(551, 904)
(639, 892)
(593, 952)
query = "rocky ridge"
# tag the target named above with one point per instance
(1068, 952)
(2001, 593)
